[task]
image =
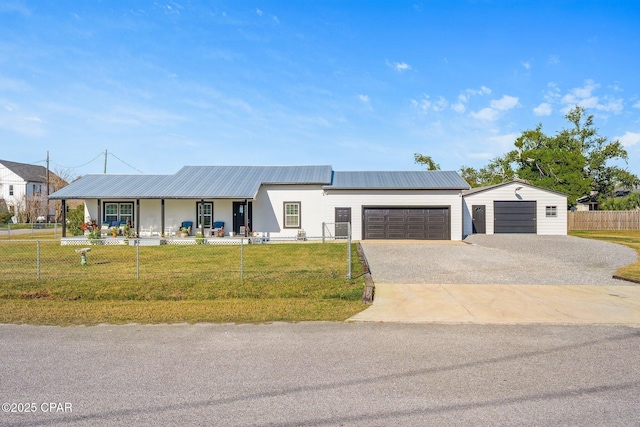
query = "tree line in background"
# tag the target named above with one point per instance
(576, 161)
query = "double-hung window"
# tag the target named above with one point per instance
(292, 215)
(118, 212)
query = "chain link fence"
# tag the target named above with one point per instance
(164, 262)
(15, 231)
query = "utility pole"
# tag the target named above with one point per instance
(105, 161)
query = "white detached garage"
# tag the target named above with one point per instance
(514, 207)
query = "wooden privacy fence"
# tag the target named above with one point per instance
(603, 220)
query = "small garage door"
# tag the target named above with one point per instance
(407, 223)
(514, 217)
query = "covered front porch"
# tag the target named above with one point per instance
(169, 218)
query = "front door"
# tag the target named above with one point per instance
(241, 217)
(343, 216)
(479, 219)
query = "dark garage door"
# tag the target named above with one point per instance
(407, 223)
(514, 217)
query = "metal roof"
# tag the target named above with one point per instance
(402, 180)
(476, 190)
(237, 182)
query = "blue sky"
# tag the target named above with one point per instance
(353, 84)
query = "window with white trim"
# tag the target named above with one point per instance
(291, 214)
(551, 211)
(207, 213)
(118, 212)
(11, 189)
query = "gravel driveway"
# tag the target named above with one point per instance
(499, 259)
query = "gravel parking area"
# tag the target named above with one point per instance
(515, 259)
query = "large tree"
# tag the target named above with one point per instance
(575, 161)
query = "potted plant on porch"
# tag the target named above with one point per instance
(184, 232)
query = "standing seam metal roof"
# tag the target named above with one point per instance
(238, 182)
(243, 182)
(401, 180)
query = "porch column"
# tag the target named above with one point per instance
(162, 217)
(64, 218)
(246, 217)
(202, 217)
(99, 214)
(137, 217)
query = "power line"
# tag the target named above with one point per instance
(77, 167)
(90, 161)
(127, 164)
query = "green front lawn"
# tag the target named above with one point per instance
(190, 283)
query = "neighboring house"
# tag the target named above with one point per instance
(514, 207)
(591, 203)
(281, 201)
(23, 188)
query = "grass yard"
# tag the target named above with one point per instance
(630, 238)
(181, 283)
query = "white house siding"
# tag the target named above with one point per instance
(10, 180)
(7, 179)
(356, 199)
(268, 209)
(543, 198)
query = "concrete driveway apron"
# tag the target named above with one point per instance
(501, 279)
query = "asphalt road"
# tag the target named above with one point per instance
(320, 374)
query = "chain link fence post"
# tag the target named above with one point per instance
(38, 259)
(349, 250)
(137, 243)
(242, 259)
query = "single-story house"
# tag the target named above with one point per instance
(282, 201)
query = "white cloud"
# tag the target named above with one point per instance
(505, 103)
(440, 104)
(15, 7)
(526, 64)
(491, 113)
(275, 19)
(543, 109)
(487, 114)
(424, 104)
(259, 12)
(399, 66)
(466, 95)
(553, 60)
(504, 141)
(364, 98)
(33, 119)
(636, 105)
(481, 156)
(585, 97)
(458, 107)
(629, 139)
